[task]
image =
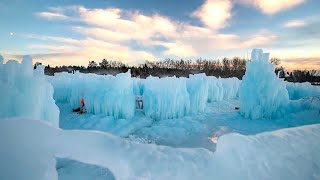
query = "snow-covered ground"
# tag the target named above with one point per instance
(29, 149)
(218, 119)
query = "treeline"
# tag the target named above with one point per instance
(181, 68)
(303, 76)
(224, 68)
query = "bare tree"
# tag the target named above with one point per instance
(275, 61)
(92, 64)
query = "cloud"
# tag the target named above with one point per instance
(258, 40)
(52, 16)
(113, 33)
(295, 23)
(271, 6)
(84, 50)
(214, 13)
(177, 49)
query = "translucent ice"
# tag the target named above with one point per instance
(166, 98)
(222, 89)
(197, 86)
(301, 90)
(26, 93)
(261, 93)
(109, 95)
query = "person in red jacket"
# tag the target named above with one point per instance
(81, 105)
(81, 109)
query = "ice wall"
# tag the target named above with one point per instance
(138, 86)
(261, 93)
(301, 90)
(172, 97)
(197, 86)
(163, 98)
(284, 154)
(222, 89)
(25, 92)
(166, 98)
(109, 95)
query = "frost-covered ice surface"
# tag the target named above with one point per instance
(284, 154)
(218, 119)
(301, 90)
(25, 92)
(69, 169)
(188, 128)
(108, 95)
(262, 94)
(166, 98)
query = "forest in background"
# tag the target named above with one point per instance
(224, 68)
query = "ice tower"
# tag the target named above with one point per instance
(262, 94)
(25, 92)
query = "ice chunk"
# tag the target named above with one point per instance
(261, 93)
(256, 54)
(26, 93)
(26, 65)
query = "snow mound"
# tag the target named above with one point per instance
(262, 94)
(108, 95)
(284, 154)
(301, 90)
(25, 92)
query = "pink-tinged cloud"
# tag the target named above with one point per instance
(271, 6)
(294, 23)
(214, 13)
(108, 33)
(52, 16)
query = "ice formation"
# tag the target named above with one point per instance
(301, 90)
(163, 98)
(138, 86)
(166, 98)
(222, 89)
(197, 86)
(284, 154)
(25, 92)
(172, 97)
(108, 95)
(261, 93)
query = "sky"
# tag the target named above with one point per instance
(74, 32)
